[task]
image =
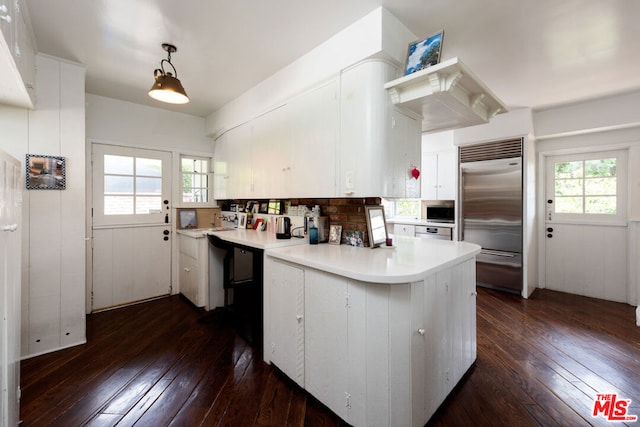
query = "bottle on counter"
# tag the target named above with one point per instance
(235, 221)
(249, 219)
(313, 232)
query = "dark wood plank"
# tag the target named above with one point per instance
(540, 362)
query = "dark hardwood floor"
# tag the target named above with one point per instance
(540, 362)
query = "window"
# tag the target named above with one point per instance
(405, 208)
(196, 178)
(132, 185)
(589, 186)
(586, 187)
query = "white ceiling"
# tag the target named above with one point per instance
(533, 53)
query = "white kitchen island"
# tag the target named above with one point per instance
(381, 336)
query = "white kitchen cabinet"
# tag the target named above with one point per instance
(375, 354)
(404, 230)
(378, 143)
(17, 55)
(403, 153)
(232, 174)
(193, 269)
(439, 176)
(10, 288)
(287, 320)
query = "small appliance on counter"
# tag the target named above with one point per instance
(283, 227)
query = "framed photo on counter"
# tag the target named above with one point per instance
(335, 234)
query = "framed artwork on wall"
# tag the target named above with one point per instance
(45, 172)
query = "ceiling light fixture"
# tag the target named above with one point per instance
(168, 88)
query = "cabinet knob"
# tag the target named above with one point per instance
(474, 293)
(421, 331)
(298, 317)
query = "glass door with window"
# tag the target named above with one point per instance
(131, 227)
(585, 237)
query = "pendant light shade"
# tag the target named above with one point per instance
(166, 87)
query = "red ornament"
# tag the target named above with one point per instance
(415, 173)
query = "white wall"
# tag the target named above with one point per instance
(377, 34)
(53, 254)
(120, 122)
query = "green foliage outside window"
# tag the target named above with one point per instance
(586, 187)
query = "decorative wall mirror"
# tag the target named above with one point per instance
(376, 225)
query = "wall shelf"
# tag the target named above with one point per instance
(447, 96)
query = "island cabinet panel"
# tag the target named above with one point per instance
(286, 296)
(374, 353)
(326, 340)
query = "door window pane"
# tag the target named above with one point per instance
(149, 186)
(118, 205)
(118, 165)
(118, 184)
(148, 167)
(586, 187)
(132, 185)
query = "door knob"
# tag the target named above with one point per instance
(549, 229)
(549, 201)
(165, 238)
(165, 232)
(549, 235)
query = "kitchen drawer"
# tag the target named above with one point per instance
(188, 245)
(404, 230)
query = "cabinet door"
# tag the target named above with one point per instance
(326, 356)
(430, 176)
(447, 171)
(439, 176)
(221, 169)
(403, 153)
(314, 125)
(404, 230)
(286, 296)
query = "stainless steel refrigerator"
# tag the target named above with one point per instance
(491, 211)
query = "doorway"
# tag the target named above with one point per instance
(131, 225)
(585, 224)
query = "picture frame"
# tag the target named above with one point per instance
(376, 225)
(354, 238)
(424, 53)
(264, 207)
(45, 172)
(335, 234)
(188, 218)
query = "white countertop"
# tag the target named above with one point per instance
(255, 239)
(411, 259)
(415, 221)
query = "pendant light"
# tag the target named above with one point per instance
(167, 87)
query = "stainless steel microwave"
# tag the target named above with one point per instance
(440, 211)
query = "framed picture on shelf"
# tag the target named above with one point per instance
(424, 53)
(335, 234)
(45, 172)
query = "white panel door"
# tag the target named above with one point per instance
(131, 225)
(585, 231)
(10, 292)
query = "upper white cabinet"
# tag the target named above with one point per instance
(341, 138)
(439, 176)
(379, 144)
(17, 55)
(289, 151)
(447, 96)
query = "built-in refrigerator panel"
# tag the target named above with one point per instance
(491, 211)
(492, 204)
